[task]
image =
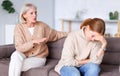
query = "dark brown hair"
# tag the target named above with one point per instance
(96, 24)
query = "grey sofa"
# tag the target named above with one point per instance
(109, 67)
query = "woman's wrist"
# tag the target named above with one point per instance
(104, 45)
(103, 48)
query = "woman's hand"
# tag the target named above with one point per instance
(38, 41)
(103, 47)
(102, 40)
(82, 62)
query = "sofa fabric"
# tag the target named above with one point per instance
(109, 67)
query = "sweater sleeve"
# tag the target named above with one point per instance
(93, 55)
(52, 34)
(68, 54)
(20, 43)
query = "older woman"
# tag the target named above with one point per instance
(30, 41)
(83, 50)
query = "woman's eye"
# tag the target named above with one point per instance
(93, 36)
(31, 13)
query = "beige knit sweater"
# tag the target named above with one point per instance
(23, 39)
(76, 47)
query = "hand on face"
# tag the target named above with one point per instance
(95, 36)
(104, 43)
(101, 39)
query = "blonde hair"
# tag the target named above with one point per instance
(96, 24)
(24, 9)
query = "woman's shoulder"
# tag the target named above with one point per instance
(73, 33)
(18, 25)
(41, 23)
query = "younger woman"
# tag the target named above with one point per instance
(83, 50)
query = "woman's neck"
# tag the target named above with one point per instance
(29, 25)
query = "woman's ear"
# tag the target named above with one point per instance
(87, 27)
(24, 15)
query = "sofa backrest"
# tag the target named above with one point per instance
(112, 54)
(55, 48)
(6, 50)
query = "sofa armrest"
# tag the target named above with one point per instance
(6, 50)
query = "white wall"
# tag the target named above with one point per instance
(92, 8)
(48, 12)
(45, 14)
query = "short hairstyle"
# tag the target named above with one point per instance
(24, 9)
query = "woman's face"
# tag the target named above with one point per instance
(31, 15)
(91, 35)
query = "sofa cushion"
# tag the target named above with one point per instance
(109, 68)
(111, 58)
(41, 71)
(110, 74)
(4, 66)
(50, 64)
(53, 73)
(55, 48)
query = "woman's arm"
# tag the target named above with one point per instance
(97, 52)
(103, 47)
(21, 43)
(52, 35)
(19, 39)
(68, 54)
(82, 62)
